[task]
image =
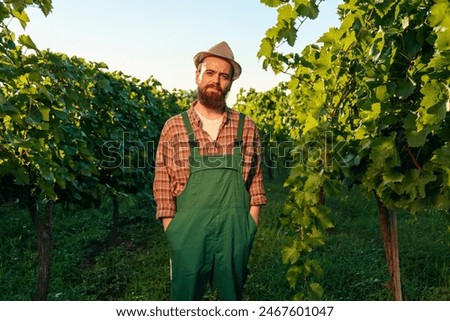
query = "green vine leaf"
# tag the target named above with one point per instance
(27, 42)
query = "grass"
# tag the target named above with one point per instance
(354, 260)
(87, 266)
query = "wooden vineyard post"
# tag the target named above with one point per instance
(388, 226)
(44, 229)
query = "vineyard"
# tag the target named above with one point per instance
(364, 119)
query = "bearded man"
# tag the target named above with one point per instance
(208, 185)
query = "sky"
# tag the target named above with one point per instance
(144, 38)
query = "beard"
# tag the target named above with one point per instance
(212, 99)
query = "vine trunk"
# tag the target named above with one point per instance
(388, 226)
(44, 229)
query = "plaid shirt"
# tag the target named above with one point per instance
(172, 158)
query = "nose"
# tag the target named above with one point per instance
(216, 78)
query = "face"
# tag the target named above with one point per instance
(214, 81)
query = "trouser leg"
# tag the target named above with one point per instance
(188, 287)
(231, 266)
(191, 258)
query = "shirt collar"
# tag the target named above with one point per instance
(193, 115)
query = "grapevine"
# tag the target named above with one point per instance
(71, 131)
(372, 97)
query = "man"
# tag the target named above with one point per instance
(209, 186)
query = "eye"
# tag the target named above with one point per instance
(225, 76)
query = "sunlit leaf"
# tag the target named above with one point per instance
(27, 42)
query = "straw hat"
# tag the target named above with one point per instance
(221, 50)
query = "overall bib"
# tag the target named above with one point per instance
(211, 235)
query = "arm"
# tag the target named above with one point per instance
(162, 185)
(165, 222)
(254, 212)
(255, 179)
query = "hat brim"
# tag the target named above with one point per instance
(198, 58)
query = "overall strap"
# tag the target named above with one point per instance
(190, 132)
(238, 141)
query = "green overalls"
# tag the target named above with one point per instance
(211, 235)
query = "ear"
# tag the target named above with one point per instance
(198, 77)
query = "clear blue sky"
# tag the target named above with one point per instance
(160, 37)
